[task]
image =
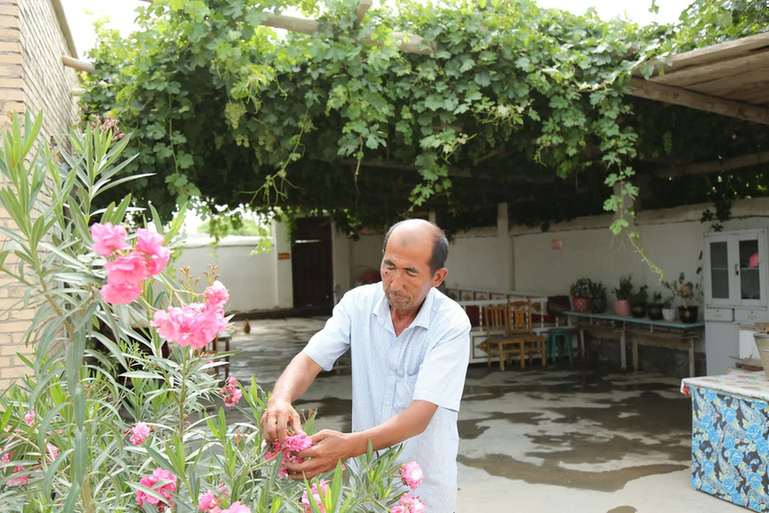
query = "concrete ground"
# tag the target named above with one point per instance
(532, 441)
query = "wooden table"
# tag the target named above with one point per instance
(674, 335)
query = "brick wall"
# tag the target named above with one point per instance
(32, 78)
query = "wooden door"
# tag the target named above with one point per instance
(311, 264)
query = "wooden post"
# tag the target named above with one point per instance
(77, 64)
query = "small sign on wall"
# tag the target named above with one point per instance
(284, 255)
(556, 244)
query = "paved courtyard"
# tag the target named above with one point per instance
(532, 441)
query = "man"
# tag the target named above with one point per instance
(409, 346)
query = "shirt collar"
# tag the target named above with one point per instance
(382, 308)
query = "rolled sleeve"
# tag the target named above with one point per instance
(327, 345)
(441, 376)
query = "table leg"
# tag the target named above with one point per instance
(691, 357)
(635, 355)
(522, 346)
(623, 348)
(501, 353)
(582, 352)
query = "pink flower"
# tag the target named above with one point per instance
(411, 474)
(52, 451)
(139, 433)
(17, 478)
(29, 417)
(108, 238)
(317, 491)
(231, 392)
(127, 268)
(290, 448)
(216, 295)
(409, 504)
(236, 507)
(121, 293)
(191, 325)
(297, 443)
(149, 245)
(6, 458)
(163, 482)
(207, 501)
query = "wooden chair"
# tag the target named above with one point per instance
(519, 339)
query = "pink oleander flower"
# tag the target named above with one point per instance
(409, 504)
(130, 268)
(216, 295)
(191, 325)
(139, 433)
(121, 293)
(149, 244)
(207, 501)
(163, 482)
(292, 445)
(29, 417)
(317, 491)
(52, 451)
(230, 392)
(108, 238)
(411, 474)
(236, 507)
(6, 457)
(17, 478)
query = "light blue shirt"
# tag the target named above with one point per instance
(427, 361)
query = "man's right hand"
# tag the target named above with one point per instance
(279, 420)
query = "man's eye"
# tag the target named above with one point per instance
(411, 273)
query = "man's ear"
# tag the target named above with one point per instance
(439, 276)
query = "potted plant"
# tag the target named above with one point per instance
(623, 293)
(667, 309)
(598, 296)
(687, 293)
(654, 308)
(581, 298)
(638, 301)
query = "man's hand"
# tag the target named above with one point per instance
(328, 448)
(279, 419)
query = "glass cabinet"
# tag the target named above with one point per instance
(736, 268)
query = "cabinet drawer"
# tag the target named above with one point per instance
(719, 314)
(751, 314)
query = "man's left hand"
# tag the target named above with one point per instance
(328, 447)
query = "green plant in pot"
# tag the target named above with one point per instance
(581, 295)
(654, 307)
(688, 294)
(639, 300)
(668, 313)
(598, 296)
(623, 293)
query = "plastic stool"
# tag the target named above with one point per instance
(556, 335)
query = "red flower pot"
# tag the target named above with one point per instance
(582, 304)
(622, 307)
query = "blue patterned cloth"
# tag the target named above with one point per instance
(730, 447)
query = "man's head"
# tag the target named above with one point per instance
(414, 261)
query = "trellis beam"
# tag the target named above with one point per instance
(716, 166)
(77, 64)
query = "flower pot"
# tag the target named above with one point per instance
(638, 311)
(622, 307)
(688, 314)
(581, 304)
(669, 314)
(762, 343)
(655, 311)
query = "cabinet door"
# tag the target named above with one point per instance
(720, 287)
(750, 268)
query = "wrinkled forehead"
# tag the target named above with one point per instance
(409, 249)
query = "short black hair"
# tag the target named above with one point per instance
(440, 245)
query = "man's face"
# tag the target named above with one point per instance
(406, 272)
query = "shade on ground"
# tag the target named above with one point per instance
(532, 441)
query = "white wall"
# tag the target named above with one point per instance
(256, 281)
(249, 277)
